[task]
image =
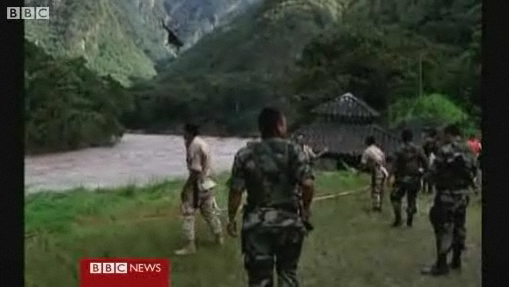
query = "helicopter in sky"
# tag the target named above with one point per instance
(172, 39)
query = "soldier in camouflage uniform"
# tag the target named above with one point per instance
(408, 168)
(452, 173)
(279, 185)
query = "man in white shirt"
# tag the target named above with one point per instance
(197, 191)
(308, 151)
(373, 160)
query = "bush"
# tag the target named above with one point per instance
(436, 107)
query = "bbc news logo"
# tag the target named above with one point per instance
(124, 272)
(124, 268)
(28, 13)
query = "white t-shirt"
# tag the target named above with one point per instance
(373, 154)
(198, 157)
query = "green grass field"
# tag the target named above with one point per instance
(349, 247)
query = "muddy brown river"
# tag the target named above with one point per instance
(137, 159)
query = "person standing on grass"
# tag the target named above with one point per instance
(373, 160)
(452, 174)
(308, 151)
(408, 168)
(474, 145)
(279, 184)
(475, 148)
(430, 147)
(197, 191)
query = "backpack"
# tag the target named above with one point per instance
(457, 168)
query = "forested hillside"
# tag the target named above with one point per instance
(67, 106)
(121, 38)
(80, 61)
(235, 70)
(296, 53)
(125, 38)
(393, 51)
(403, 57)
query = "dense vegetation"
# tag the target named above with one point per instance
(398, 50)
(298, 53)
(290, 53)
(67, 106)
(434, 107)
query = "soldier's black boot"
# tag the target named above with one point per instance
(456, 259)
(397, 220)
(409, 220)
(440, 268)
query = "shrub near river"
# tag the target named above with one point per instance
(349, 246)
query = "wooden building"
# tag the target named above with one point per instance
(342, 126)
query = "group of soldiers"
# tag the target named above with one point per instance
(446, 164)
(277, 175)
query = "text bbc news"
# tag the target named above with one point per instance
(124, 268)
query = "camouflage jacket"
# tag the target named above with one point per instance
(453, 167)
(410, 163)
(270, 172)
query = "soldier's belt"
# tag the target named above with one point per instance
(285, 207)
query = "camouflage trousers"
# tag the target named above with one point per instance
(266, 248)
(409, 188)
(206, 203)
(448, 219)
(377, 190)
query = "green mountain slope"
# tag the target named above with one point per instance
(297, 53)
(264, 39)
(122, 38)
(237, 68)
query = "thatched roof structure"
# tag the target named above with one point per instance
(347, 108)
(343, 125)
(347, 139)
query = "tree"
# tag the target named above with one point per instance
(67, 106)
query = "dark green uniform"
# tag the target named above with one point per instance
(452, 173)
(408, 167)
(272, 229)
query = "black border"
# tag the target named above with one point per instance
(495, 97)
(11, 151)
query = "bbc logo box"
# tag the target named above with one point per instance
(28, 13)
(124, 272)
